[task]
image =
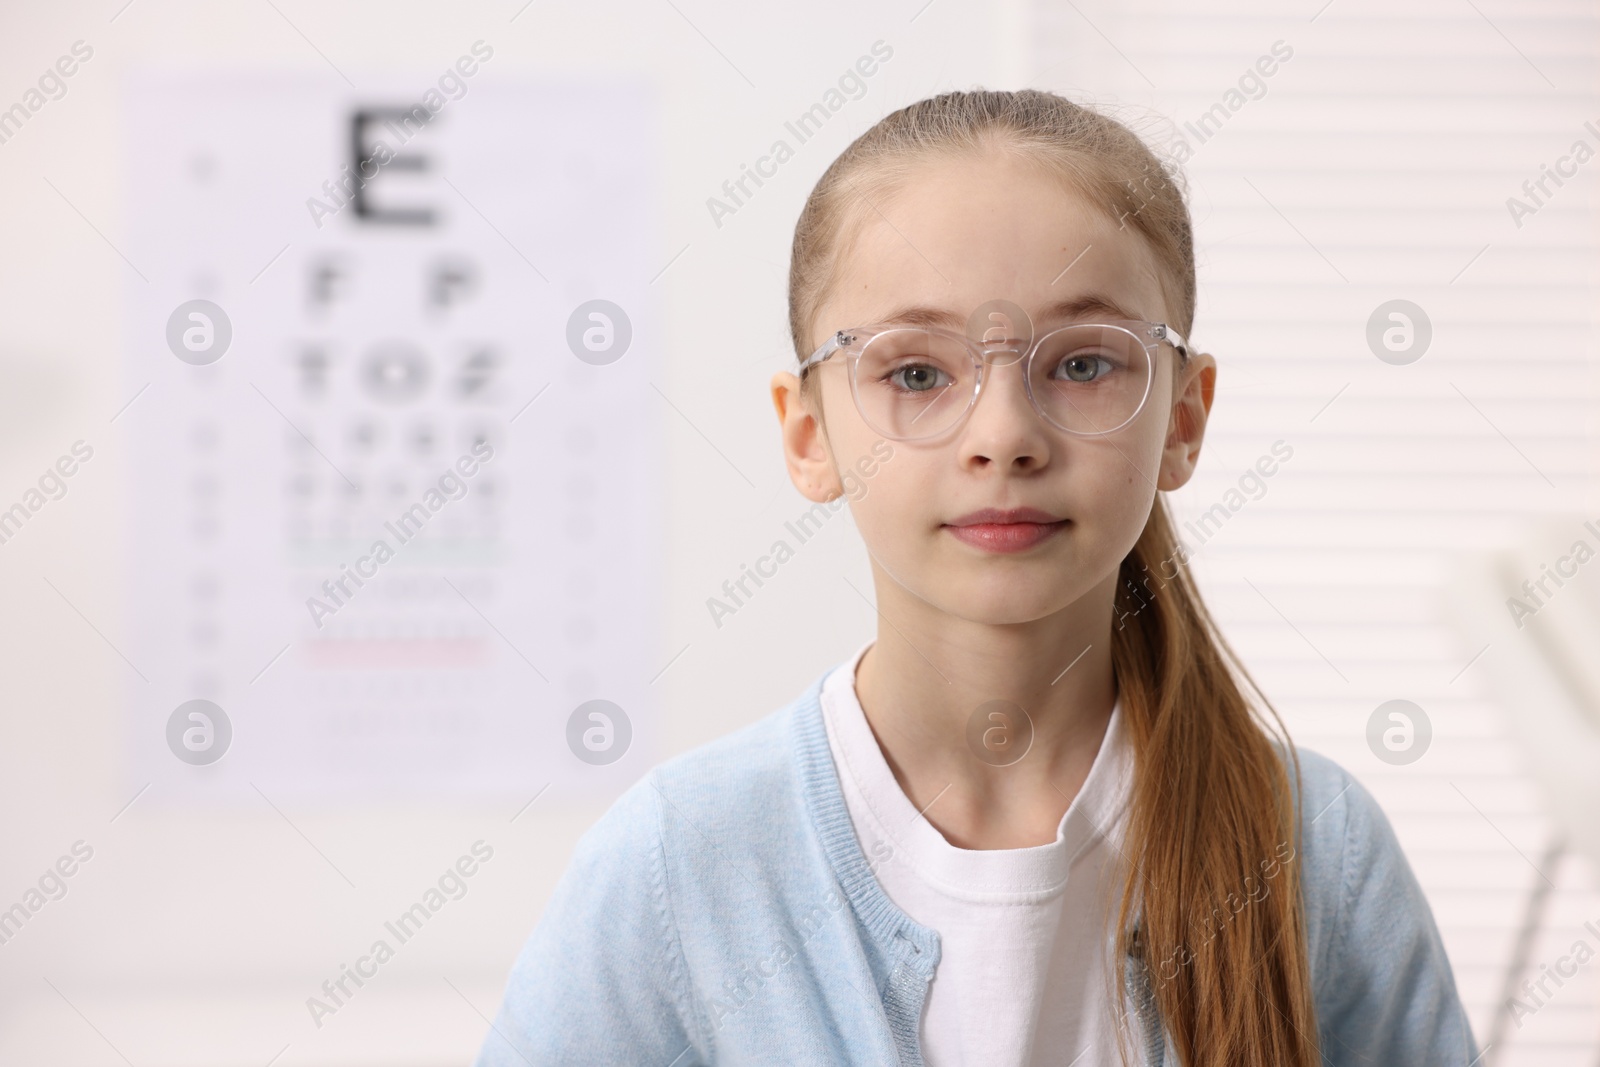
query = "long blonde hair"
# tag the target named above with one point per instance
(1212, 813)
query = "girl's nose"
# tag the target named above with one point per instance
(1003, 427)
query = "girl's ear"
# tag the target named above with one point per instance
(805, 443)
(1191, 406)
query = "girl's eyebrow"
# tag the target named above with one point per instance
(1089, 305)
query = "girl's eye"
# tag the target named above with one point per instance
(918, 377)
(1083, 368)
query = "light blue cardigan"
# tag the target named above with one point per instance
(722, 912)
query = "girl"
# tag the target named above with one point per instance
(1036, 819)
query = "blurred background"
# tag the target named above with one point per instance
(526, 351)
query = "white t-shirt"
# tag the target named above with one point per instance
(1025, 933)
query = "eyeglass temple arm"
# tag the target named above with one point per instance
(1162, 332)
(827, 348)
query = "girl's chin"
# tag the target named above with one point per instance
(1000, 604)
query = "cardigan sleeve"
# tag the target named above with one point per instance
(601, 978)
(1385, 995)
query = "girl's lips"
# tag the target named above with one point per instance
(1006, 536)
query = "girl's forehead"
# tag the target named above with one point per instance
(957, 236)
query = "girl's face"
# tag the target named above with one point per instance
(960, 233)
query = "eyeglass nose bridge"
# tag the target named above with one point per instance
(1000, 353)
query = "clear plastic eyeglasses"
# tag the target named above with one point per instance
(917, 382)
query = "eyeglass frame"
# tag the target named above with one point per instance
(1156, 331)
